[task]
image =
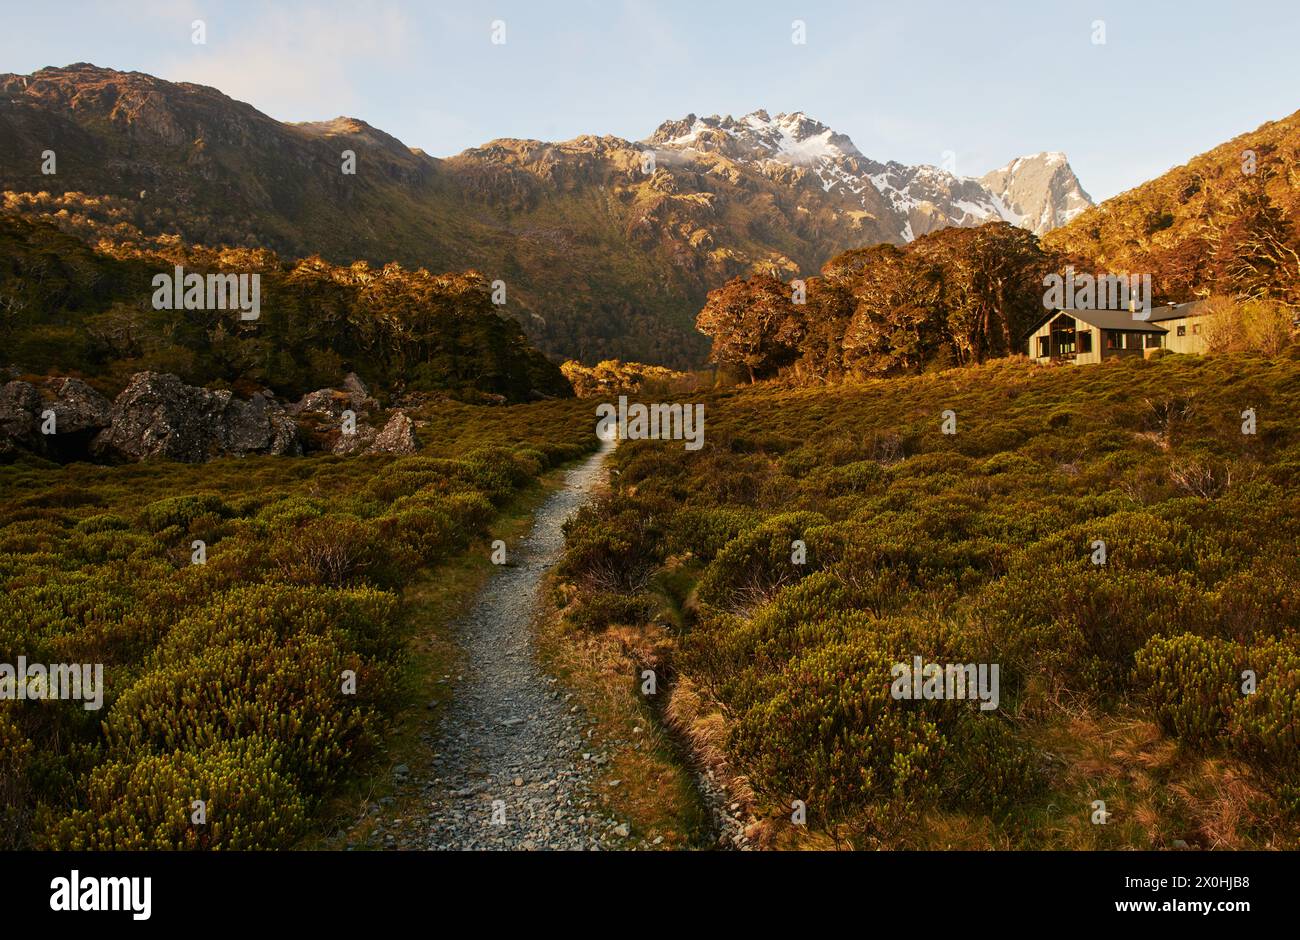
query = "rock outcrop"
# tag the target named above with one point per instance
(78, 412)
(77, 407)
(359, 399)
(1041, 191)
(332, 402)
(329, 403)
(259, 426)
(158, 415)
(356, 441)
(19, 405)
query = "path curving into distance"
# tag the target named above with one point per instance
(508, 734)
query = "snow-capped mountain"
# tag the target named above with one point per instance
(1037, 192)
(790, 138)
(1041, 189)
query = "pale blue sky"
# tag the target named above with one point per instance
(905, 80)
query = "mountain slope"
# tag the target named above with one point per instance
(1226, 222)
(601, 259)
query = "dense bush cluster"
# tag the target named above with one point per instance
(978, 547)
(227, 682)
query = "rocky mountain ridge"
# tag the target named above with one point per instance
(1038, 192)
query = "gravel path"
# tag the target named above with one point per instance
(511, 761)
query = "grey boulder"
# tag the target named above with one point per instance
(77, 407)
(78, 412)
(158, 415)
(396, 437)
(332, 402)
(19, 405)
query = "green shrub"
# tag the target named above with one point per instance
(1266, 723)
(646, 462)
(15, 788)
(411, 475)
(113, 545)
(1191, 683)
(828, 732)
(863, 476)
(422, 530)
(498, 471)
(147, 804)
(726, 652)
(991, 767)
(291, 511)
(289, 692)
(360, 619)
(182, 511)
(1082, 625)
(334, 551)
(703, 532)
(757, 563)
(470, 512)
(613, 550)
(102, 522)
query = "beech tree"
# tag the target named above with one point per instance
(957, 296)
(753, 323)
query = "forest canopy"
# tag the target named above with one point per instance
(956, 297)
(67, 307)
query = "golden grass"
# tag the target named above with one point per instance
(654, 793)
(1158, 795)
